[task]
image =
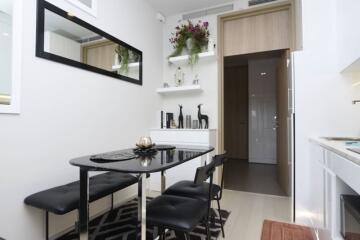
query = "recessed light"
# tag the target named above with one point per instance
(263, 73)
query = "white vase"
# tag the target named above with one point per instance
(189, 44)
(211, 45)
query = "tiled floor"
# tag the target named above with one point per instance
(249, 210)
(249, 177)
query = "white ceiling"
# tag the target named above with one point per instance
(172, 7)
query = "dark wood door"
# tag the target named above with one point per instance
(236, 105)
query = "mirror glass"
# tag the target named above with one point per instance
(69, 40)
(5, 51)
(88, 3)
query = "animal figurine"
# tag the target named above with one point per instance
(181, 118)
(201, 118)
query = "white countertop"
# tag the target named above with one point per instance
(337, 147)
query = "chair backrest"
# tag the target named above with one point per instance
(202, 174)
(220, 159)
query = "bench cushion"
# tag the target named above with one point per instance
(63, 199)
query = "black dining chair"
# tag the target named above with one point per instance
(180, 213)
(199, 191)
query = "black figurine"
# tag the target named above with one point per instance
(181, 118)
(202, 117)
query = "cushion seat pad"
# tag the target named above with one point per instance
(192, 190)
(176, 213)
(63, 199)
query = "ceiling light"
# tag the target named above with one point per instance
(263, 73)
(5, 34)
(70, 14)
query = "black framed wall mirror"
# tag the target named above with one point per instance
(64, 38)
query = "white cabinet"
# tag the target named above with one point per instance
(317, 190)
(182, 137)
(321, 195)
(330, 175)
(348, 35)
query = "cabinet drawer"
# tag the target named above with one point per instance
(345, 169)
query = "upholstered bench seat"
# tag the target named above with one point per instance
(65, 198)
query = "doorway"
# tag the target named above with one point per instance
(257, 126)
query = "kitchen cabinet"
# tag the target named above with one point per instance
(348, 35)
(334, 171)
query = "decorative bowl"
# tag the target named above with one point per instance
(145, 143)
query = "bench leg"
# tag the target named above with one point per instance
(47, 225)
(84, 205)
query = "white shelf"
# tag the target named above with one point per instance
(179, 60)
(190, 88)
(131, 66)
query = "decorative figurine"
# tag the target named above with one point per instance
(201, 118)
(181, 118)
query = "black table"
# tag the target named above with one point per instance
(141, 166)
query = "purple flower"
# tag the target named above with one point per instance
(206, 24)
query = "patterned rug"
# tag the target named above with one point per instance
(121, 224)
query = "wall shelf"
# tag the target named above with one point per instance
(182, 89)
(180, 60)
(131, 66)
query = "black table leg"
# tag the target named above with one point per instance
(84, 205)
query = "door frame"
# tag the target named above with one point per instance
(293, 6)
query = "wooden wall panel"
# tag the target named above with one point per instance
(257, 33)
(100, 55)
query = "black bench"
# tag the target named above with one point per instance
(63, 199)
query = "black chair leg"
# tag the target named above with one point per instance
(47, 225)
(208, 237)
(221, 221)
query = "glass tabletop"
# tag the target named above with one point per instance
(147, 163)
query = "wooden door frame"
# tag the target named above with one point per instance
(295, 33)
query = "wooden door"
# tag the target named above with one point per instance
(284, 122)
(236, 112)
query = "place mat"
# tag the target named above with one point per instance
(145, 151)
(113, 156)
(164, 147)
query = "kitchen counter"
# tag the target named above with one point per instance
(337, 147)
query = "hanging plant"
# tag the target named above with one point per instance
(124, 56)
(191, 37)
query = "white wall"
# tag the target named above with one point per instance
(322, 95)
(68, 112)
(207, 72)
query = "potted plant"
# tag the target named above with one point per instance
(191, 37)
(123, 56)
